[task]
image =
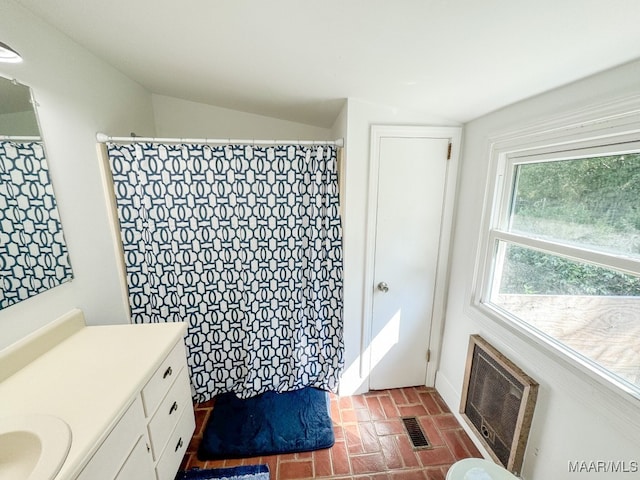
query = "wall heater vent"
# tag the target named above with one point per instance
(498, 400)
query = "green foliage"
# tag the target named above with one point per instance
(599, 191)
(535, 273)
(589, 201)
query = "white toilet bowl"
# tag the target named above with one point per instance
(478, 469)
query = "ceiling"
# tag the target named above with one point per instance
(297, 59)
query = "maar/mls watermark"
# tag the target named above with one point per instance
(604, 466)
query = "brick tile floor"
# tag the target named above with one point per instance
(371, 440)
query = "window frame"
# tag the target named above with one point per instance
(601, 130)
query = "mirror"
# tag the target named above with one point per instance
(33, 253)
(17, 114)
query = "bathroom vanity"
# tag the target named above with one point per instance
(123, 391)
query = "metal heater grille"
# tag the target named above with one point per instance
(498, 403)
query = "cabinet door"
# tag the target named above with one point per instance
(116, 448)
(139, 465)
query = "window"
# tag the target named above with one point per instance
(562, 250)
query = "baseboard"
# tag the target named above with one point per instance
(449, 394)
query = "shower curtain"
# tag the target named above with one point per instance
(244, 243)
(33, 252)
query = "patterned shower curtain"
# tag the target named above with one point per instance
(33, 252)
(244, 243)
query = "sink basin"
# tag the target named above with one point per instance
(33, 446)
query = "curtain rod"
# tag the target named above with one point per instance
(102, 138)
(17, 138)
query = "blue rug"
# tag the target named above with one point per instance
(268, 424)
(248, 472)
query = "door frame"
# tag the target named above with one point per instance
(378, 132)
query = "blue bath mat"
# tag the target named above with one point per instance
(268, 424)
(247, 472)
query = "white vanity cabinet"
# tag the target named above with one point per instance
(123, 391)
(150, 439)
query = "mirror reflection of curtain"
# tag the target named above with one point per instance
(33, 253)
(244, 243)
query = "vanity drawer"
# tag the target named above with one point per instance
(171, 457)
(159, 384)
(171, 408)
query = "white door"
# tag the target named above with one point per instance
(411, 192)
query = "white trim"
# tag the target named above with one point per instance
(618, 262)
(613, 123)
(370, 252)
(620, 112)
(454, 135)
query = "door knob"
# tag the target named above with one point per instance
(383, 287)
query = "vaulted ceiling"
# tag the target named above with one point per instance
(297, 59)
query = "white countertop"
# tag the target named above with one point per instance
(88, 380)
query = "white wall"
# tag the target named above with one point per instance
(78, 95)
(176, 118)
(575, 418)
(360, 116)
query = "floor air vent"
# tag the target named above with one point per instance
(417, 436)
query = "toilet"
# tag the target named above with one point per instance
(478, 469)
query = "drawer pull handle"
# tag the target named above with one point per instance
(167, 373)
(179, 445)
(173, 408)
